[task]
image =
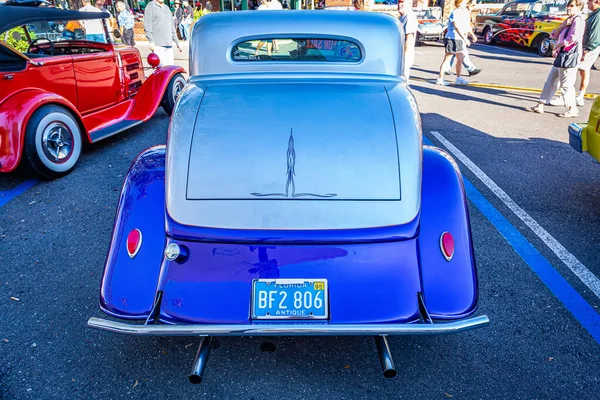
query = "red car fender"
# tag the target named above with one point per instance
(15, 113)
(148, 98)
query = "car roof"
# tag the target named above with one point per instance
(12, 15)
(215, 35)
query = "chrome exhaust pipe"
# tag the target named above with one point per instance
(201, 359)
(385, 356)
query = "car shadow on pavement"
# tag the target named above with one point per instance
(431, 89)
(508, 58)
(542, 165)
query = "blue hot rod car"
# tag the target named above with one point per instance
(294, 196)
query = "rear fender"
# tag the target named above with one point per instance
(149, 97)
(15, 113)
(449, 287)
(129, 284)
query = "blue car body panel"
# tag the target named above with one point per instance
(374, 274)
(129, 285)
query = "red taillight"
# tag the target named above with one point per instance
(447, 245)
(134, 242)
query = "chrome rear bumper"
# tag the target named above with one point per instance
(287, 329)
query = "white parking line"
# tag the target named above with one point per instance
(584, 274)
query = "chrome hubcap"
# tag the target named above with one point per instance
(488, 35)
(57, 142)
(544, 45)
(177, 88)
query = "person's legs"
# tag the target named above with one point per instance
(445, 63)
(550, 87)
(409, 60)
(269, 47)
(131, 37)
(568, 76)
(584, 70)
(459, 62)
(127, 37)
(452, 60)
(258, 46)
(186, 28)
(467, 63)
(583, 85)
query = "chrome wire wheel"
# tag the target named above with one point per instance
(57, 142)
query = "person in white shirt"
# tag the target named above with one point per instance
(456, 40)
(467, 63)
(94, 31)
(409, 22)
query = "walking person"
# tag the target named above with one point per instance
(567, 53)
(456, 40)
(126, 22)
(591, 47)
(188, 17)
(467, 63)
(160, 31)
(409, 22)
(178, 18)
(94, 31)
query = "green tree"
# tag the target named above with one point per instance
(21, 44)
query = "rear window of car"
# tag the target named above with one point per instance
(297, 50)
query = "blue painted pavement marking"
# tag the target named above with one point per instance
(8, 195)
(587, 316)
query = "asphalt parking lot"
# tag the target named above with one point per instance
(543, 340)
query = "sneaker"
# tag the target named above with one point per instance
(447, 72)
(474, 72)
(580, 102)
(461, 81)
(441, 82)
(569, 114)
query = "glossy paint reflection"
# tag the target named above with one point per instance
(367, 283)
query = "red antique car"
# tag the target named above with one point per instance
(63, 83)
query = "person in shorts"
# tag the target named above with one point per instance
(456, 40)
(591, 47)
(467, 63)
(409, 22)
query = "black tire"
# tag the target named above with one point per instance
(418, 40)
(488, 36)
(174, 88)
(53, 142)
(543, 46)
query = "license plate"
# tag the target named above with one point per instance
(290, 299)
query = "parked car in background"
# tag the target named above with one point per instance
(260, 218)
(430, 24)
(61, 88)
(585, 137)
(525, 22)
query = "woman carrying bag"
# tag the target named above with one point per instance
(567, 53)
